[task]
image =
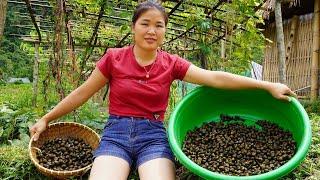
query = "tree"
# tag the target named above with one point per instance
(280, 42)
(3, 12)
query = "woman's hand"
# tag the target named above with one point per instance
(38, 128)
(280, 91)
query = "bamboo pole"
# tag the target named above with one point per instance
(315, 53)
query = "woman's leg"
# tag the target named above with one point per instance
(157, 169)
(109, 167)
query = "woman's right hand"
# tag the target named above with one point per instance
(38, 128)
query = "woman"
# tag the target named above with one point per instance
(140, 77)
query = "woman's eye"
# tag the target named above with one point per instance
(159, 26)
(144, 24)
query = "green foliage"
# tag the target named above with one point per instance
(310, 167)
(90, 114)
(312, 106)
(14, 62)
(18, 95)
(16, 164)
(15, 124)
(16, 115)
(174, 98)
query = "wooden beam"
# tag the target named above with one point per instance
(33, 4)
(218, 39)
(93, 39)
(33, 18)
(175, 7)
(112, 17)
(215, 7)
(26, 27)
(29, 26)
(190, 38)
(180, 35)
(120, 42)
(29, 39)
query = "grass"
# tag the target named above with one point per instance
(18, 94)
(310, 167)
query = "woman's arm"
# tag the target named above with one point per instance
(75, 99)
(224, 80)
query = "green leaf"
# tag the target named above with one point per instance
(1, 131)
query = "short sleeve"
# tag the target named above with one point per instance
(105, 64)
(180, 68)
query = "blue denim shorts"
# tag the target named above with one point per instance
(136, 140)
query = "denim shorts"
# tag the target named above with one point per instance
(136, 140)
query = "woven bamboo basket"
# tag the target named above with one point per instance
(63, 130)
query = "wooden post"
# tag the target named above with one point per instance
(315, 53)
(280, 42)
(223, 46)
(35, 74)
(36, 68)
(223, 52)
(3, 12)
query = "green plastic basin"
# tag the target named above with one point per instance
(205, 104)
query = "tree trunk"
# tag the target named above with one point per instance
(280, 42)
(35, 74)
(3, 12)
(315, 53)
(58, 56)
(70, 49)
(223, 49)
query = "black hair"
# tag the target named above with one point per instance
(144, 6)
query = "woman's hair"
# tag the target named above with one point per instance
(145, 6)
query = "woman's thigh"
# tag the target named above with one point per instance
(157, 169)
(109, 167)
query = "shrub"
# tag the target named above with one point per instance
(16, 164)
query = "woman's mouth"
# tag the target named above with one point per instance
(150, 40)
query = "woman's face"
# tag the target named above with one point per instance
(149, 30)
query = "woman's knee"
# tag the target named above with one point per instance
(160, 168)
(109, 167)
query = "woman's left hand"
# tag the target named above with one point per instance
(280, 91)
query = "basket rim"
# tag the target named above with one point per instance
(54, 172)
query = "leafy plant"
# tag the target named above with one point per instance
(16, 164)
(14, 124)
(312, 106)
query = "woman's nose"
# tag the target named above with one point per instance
(151, 30)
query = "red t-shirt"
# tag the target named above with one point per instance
(131, 92)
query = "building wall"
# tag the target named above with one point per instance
(298, 65)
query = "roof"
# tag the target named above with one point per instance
(289, 9)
